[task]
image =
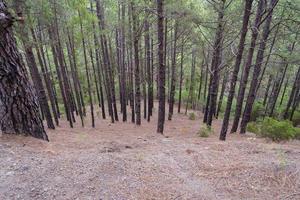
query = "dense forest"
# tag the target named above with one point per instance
(141, 92)
(231, 59)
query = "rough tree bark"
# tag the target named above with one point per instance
(19, 112)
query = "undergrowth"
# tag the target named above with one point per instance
(274, 129)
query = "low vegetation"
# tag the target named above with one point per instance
(192, 116)
(274, 129)
(205, 131)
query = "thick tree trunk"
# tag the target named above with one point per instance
(19, 112)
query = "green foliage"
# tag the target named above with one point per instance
(257, 111)
(274, 129)
(205, 131)
(192, 116)
(253, 127)
(296, 118)
(297, 134)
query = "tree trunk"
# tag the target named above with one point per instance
(236, 69)
(293, 95)
(216, 60)
(246, 71)
(137, 65)
(181, 75)
(257, 68)
(87, 71)
(19, 112)
(223, 87)
(173, 73)
(161, 67)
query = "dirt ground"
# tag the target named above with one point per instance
(122, 161)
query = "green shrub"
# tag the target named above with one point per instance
(192, 116)
(253, 127)
(277, 130)
(297, 135)
(205, 131)
(296, 118)
(257, 111)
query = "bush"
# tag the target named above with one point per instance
(257, 111)
(205, 131)
(297, 135)
(192, 116)
(296, 118)
(253, 127)
(277, 130)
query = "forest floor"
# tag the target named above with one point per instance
(122, 161)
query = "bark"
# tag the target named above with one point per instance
(161, 67)
(293, 95)
(257, 68)
(267, 89)
(40, 55)
(33, 68)
(246, 71)
(236, 69)
(173, 73)
(19, 112)
(276, 90)
(98, 68)
(123, 75)
(137, 65)
(87, 71)
(223, 87)
(216, 60)
(192, 83)
(105, 56)
(130, 61)
(284, 91)
(181, 75)
(148, 69)
(76, 82)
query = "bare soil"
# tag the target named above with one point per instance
(123, 161)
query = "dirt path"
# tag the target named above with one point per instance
(121, 161)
